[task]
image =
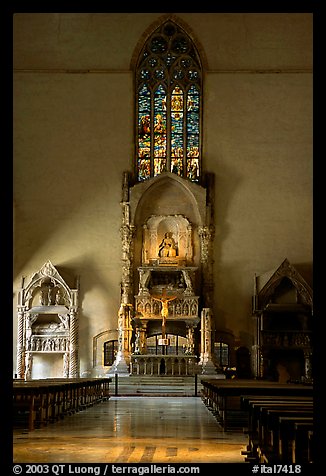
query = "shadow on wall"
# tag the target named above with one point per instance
(243, 363)
(92, 280)
(227, 181)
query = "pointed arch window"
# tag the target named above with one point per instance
(168, 105)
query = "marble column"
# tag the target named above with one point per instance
(206, 236)
(20, 344)
(307, 365)
(73, 346)
(127, 232)
(120, 365)
(206, 362)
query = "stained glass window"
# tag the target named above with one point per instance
(168, 85)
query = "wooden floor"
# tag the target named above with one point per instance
(133, 429)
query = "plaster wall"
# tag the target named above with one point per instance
(73, 139)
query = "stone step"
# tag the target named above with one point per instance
(160, 380)
(156, 385)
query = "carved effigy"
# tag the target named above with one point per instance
(47, 321)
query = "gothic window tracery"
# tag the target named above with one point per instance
(168, 105)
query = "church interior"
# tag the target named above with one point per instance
(162, 238)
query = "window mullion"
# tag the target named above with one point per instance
(152, 132)
(168, 129)
(185, 118)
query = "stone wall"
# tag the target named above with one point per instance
(73, 139)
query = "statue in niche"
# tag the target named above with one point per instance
(64, 324)
(49, 297)
(28, 366)
(137, 342)
(42, 298)
(168, 246)
(66, 364)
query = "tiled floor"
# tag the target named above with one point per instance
(133, 430)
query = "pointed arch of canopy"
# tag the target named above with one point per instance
(285, 270)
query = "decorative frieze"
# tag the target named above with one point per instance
(286, 339)
(179, 308)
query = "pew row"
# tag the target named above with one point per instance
(39, 402)
(280, 429)
(223, 398)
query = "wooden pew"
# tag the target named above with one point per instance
(39, 402)
(223, 397)
(270, 434)
(267, 441)
(295, 444)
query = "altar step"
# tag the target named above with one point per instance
(153, 385)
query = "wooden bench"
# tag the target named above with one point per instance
(223, 397)
(295, 438)
(39, 402)
(269, 441)
(270, 437)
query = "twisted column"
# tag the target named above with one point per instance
(73, 347)
(20, 345)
